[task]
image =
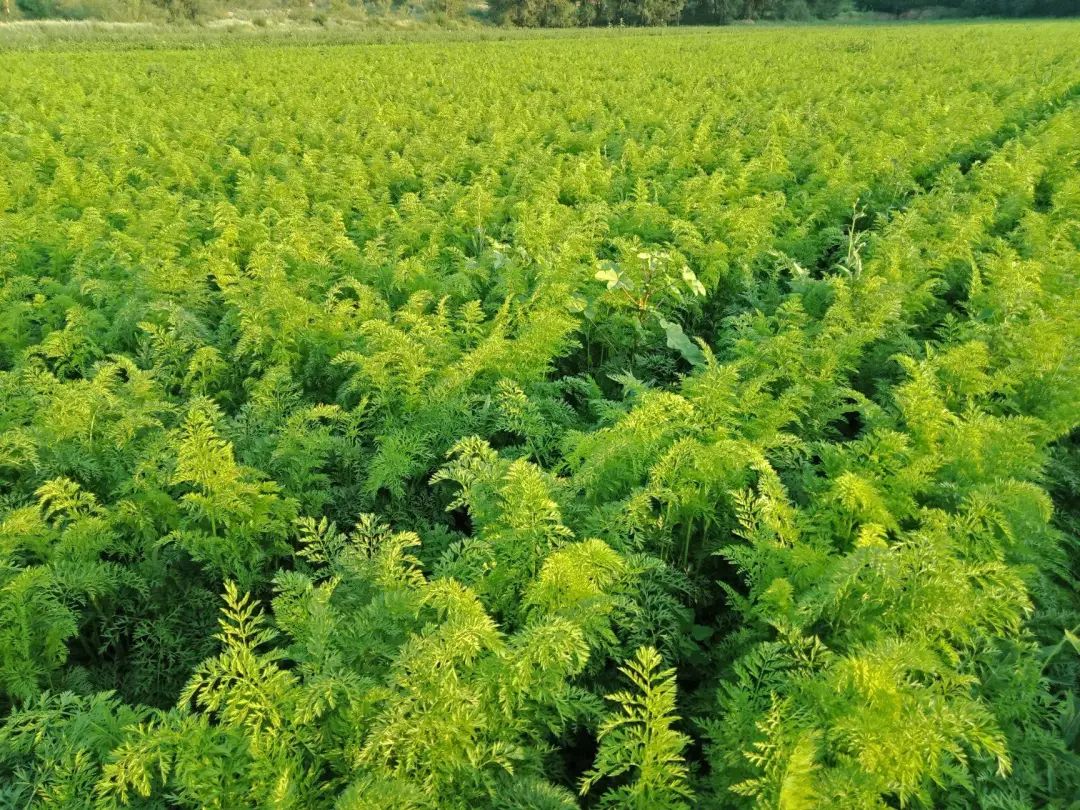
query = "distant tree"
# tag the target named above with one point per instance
(718, 11)
(181, 10)
(640, 12)
(826, 9)
(788, 10)
(660, 12)
(1019, 8)
(895, 7)
(450, 8)
(35, 9)
(535, 13)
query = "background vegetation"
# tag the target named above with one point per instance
(629, 421)
(529, 13)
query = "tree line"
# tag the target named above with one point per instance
(562, 13)
(548, 13)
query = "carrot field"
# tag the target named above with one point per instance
(610, 420)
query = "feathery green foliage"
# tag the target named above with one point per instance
(617, 421)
